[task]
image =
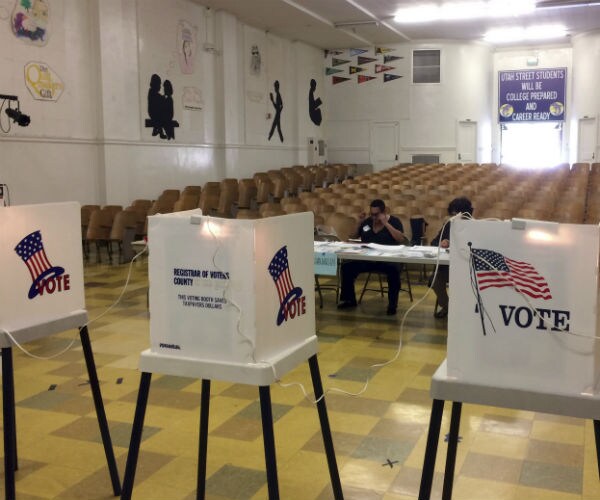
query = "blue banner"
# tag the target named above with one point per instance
(532, 95)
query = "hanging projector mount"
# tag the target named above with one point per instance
(16, 115)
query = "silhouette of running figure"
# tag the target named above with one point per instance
(278, 104)
(313, 104)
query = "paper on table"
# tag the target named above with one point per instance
(386, 248)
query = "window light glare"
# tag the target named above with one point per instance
(453, 11)
(507, 35)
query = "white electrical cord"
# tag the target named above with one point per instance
(229, 300)
(399, 348)
(28, 353)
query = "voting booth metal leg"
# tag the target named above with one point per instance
(433, 435)
(325, 429)
(10, 431)
(100, 413)
(451, 453)
(203, 446)
(597, 436)
(136, 435)
(269, 441)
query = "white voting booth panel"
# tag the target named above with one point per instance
(42, 266)
(230, 291)
(494, 337)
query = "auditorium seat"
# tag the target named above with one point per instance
(294, 208)
(86, 213)
(98, 231)
(186, 201)
(123, 233)
(247, 192)
(343, 225)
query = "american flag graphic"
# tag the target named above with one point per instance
(31, 250)
(494, 270)
(280, 272)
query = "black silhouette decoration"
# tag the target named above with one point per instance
(313, 104)
(160, 109)
(278, 105)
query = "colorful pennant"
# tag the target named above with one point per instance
(365, 78)
(382, 50)
(338, 79)
(355, 69)
(356, 52)
(332, 71)
(380, 68)
(388, 77)
(365, 60)
(387, 59)
(332, 52)
(338, 62)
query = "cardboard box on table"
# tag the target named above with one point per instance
(494, 337)
(231, 292)
(41, 290)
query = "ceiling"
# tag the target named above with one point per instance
(328, 24)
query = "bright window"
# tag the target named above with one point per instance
(531, 145)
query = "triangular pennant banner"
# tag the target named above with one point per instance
(356, 52)
(332, 71)
(365, 78)
(388, 77)
(380, 68)
(382, 50)
(332, 52)
(355, 69)
(365, 60)
(338, 62)
(338, 79)
(387, 59)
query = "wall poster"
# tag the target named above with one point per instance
(532, 95)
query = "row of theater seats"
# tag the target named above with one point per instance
(417, 193)
(245, 198)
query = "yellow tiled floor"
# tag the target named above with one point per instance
(379, 437)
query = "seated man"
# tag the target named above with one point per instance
(456, 206)
(379, 228)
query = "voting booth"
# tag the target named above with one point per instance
(42, 265)
(230, 291)
(523, 305)
(42, 293)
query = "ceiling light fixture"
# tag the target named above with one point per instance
(542, 32)
(463, 10)
(346, 24)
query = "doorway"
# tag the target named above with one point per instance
(531, 145)
(384, 145)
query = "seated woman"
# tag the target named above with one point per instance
(456, 206)
(379, 228)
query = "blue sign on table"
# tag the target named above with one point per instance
(532, 95)
(325, 264)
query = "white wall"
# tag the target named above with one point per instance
(92, 145)
(585, 95)
(427, 114)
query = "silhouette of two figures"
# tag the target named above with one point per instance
(160, 109)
